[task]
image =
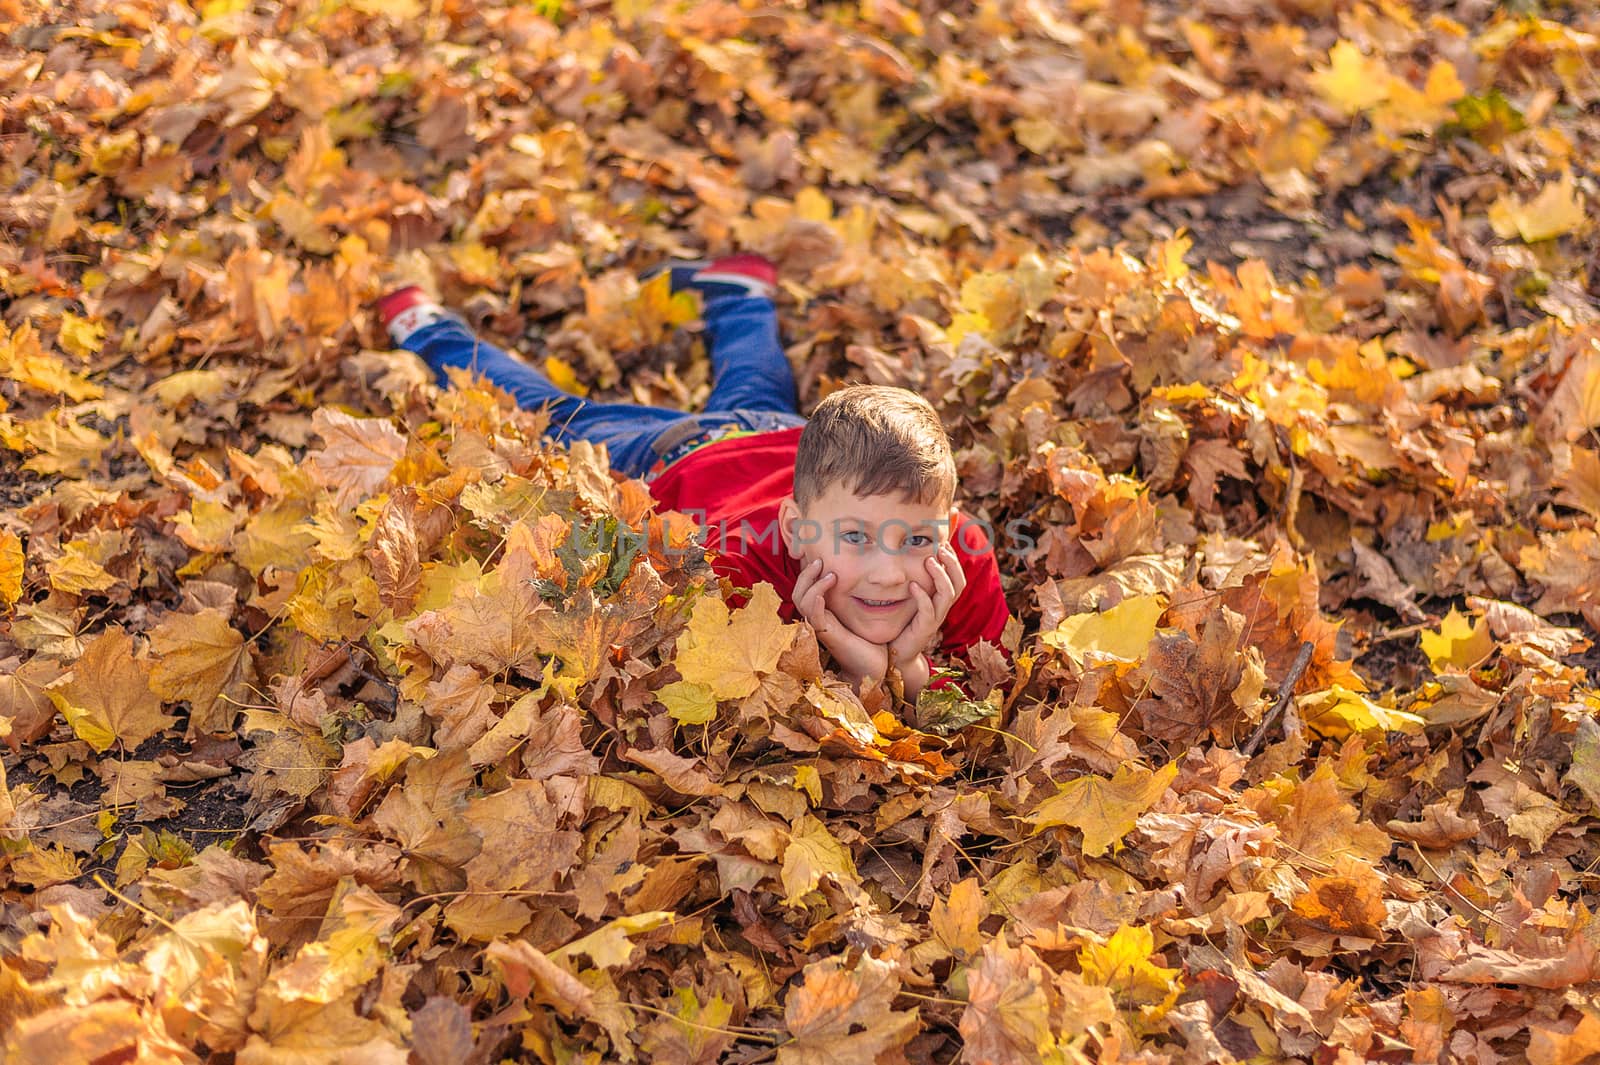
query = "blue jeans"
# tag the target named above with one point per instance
(752, 386)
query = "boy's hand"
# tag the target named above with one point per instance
(949, 581)
(858, 657)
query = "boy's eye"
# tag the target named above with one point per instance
(855, 538)
(918, 541)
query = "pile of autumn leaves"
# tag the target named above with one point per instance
(547, 789)
(511, 779)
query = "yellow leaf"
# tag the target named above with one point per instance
(65, 446)
(811, 854)
(1558, 209)
(1124, 631)
(11, 566)
(1352, 82)
(812, 205)
(955, 922)
(1338, 712)
(657, 306)
(81, 337)
(729, 653)
(478, 264)
(1458, 643)
(563, 376)
(80, 568)
(1105, 810)
(106, 698)
(808, 780)
(1122, 964)
(688, 703)
(399, 10)
(204, 660)
(610, 945)
(203, 386)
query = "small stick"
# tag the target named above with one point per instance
(1285, 697)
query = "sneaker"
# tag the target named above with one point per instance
(406, 310)
(732, 275)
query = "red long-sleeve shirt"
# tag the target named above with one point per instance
(733, 487)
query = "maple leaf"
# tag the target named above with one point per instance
(1457, 644)
(1122, 631)
(395, 554)
(728, 652)
(503, 628)
(1007, 1018)
(25, 700)
(823, 1013)
(1340, 712)
(1558, 209)
(522, 847)
(1348, 903)
(424, 817)
(357, 455)
(107, 697)
(1193, 685)
(1550, 1045)
(526, 970)
(811, 854)
(1122, 965)
(694, 1035)
(203, 659)
(1105, 810)
(611, 945)
(954, 921)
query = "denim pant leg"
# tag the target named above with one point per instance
(749, 369)
(626, 429)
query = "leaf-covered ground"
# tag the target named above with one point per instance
(341, 711)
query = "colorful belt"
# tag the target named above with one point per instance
(679, 442)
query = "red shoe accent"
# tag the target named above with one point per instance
(755, 267)
(389, 307)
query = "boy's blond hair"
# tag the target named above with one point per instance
(875, 439)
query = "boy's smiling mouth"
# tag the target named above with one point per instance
(878, 604)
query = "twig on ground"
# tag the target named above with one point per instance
(1291, 720)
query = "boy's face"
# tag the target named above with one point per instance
(878, 546)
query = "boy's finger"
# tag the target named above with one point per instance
(943, 587)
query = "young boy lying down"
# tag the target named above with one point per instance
(850, 516)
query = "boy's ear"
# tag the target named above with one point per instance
(788, 515)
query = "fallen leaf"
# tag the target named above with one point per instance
(1105, 810)
(107, 698)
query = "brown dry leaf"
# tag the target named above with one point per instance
(1007, 1020)
(1548, 1045)
(441, 1034)
(1192, 684)
(1440, 826)
(395, 553)
(357, 455)
(838, 1014)
(25, 700)
(1526, 813)
(1344, 904)
(522, 848)
(683, 775)
(530, 971)
(1578, 963)
(107, 698)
